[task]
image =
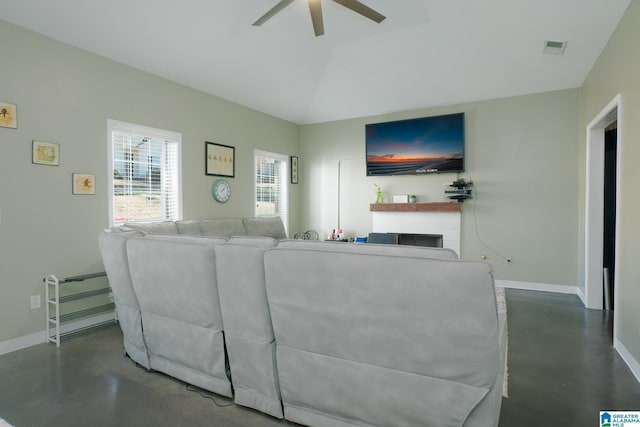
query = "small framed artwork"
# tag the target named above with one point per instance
(45, 153)
(294, 169)
(219, 159)
(8, 115)
(84, 183)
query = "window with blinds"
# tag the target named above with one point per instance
(145, 179)
(271, 186)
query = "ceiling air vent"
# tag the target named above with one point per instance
(555, 47)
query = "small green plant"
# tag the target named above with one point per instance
(378, 193)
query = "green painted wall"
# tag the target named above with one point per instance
(65, 95)
(522, 154)
(618, 71)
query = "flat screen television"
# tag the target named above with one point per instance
(416, 146)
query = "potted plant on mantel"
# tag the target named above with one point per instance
(378, 194)
(413, 198)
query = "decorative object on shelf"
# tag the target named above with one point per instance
(400, 198)
(8, 115)
(219, 159)
(84, 183)
(460, 192)
(378, 194)
(307, 235)
(311, 235)
(45, 153)
(413, 198)
(221, 190)
(294, 169)
(337, 235)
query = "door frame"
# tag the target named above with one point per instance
(594, 205)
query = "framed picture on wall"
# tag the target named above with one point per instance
(45, 153)
(8, 115)
(294, 169)
(84, 183)
(219, 159)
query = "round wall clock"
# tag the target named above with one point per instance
(221, 190)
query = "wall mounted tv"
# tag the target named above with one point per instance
(417, 146)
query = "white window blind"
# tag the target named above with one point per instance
(145, 181)
(271, 194)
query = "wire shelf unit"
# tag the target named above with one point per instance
(54, 319)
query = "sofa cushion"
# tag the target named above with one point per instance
(162, 227)
(247, 324)
(371, 248)
(256, 241)
(175, 280)
(265, 226)
(113, 248)
(189, 226)
(426, 327)
(222, 227)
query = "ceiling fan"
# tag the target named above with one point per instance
(315, 7)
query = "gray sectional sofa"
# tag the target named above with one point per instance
(318, 333)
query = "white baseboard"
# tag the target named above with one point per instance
(631, 362)
(40, 337)
(582, 297)
(19, 343)
(542, 287)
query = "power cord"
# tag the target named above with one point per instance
(202, 393)
(207, 395)
(475, 224)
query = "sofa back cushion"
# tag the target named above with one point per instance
(222, 227)
(113, 248)
(365, 307)
(162, 227)
(190, 227)
(381, 323)
(371, 248)
(175, 276)
(247, 323)
(175, 280)
(265, 226)
(240, 272)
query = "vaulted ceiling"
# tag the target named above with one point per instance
(425, 53)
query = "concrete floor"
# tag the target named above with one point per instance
(562, 371)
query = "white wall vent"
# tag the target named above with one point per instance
(555, 47)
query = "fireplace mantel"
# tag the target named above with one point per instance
(416, 207)
(419, 218)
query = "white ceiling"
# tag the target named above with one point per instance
(426, 53)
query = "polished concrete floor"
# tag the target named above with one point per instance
(562, 371)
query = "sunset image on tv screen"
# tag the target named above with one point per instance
(416, 146)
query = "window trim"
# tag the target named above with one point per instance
(113, 125)
(285, 184)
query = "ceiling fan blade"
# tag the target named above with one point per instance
(315, 7)
(271, 12)
(363, 10)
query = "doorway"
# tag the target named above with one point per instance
(597, 218)
(609, 236)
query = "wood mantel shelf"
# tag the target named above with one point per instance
(416, 207)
